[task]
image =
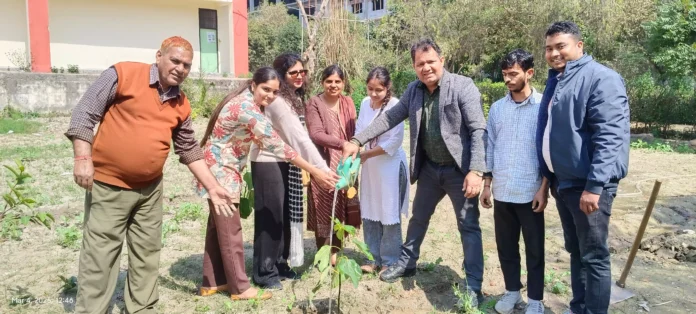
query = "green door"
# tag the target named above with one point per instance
(208, 40)
(209, 51)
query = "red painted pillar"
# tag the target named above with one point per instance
(240, 31)
(39, 39)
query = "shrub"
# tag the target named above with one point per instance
(202, 97)
(359, 92)
(490, 93)
(660, 103)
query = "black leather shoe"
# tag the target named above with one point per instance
(272, 286)
(393, 273)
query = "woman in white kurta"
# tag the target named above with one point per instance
(384, 178)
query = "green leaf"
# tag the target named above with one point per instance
(339, 234)
(350, 229)
(351, 269)
(9, 200)
(20, 166)
(363, 248)
(16, 192)
(22, 178)
(244, 207)
(338, 229)
(316, 289)
(323, 258)
(25, 219)
(247, 179)
(16, 174)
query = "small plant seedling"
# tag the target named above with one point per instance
(346, 268)
(228, 305)
(17, 212)
(202, 308)
(555, 280)
(559, 288)
(290, 303)
(69, 284)
(430, 266)
(70, 232)
(189, 211)
(466, 301)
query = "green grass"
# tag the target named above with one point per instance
(18, 126)
(37, 152)
(664, 147)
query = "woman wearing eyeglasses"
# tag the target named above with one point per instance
(278, 193)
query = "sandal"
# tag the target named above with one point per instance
(264, 296)
(208, 291)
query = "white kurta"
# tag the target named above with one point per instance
(379, 184)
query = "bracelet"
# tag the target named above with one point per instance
(356, 142)
(486, 186)
(83, 158)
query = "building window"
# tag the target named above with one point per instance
(357, 7)
(207, 18)
(377, 5)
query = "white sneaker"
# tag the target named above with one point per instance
(534, 307)
(508, 302)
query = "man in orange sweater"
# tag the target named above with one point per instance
(140, 110)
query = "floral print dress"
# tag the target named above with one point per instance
(226, 152)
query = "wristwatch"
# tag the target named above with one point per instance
(476, 172)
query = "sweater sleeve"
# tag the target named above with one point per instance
(394, 138)
(289, 127)
(387, 120)
(470, 105)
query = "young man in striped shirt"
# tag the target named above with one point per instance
(516, 181)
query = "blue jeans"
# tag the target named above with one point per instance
(384, 242)
(434, 182)
(586, 239)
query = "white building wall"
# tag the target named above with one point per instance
(14, 38)
(95, 34)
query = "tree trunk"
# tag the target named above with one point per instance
(310, 55)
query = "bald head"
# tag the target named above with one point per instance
(174, 60)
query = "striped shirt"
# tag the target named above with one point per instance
(511, 150)
(98, 98)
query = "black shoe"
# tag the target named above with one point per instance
(272, 286)
(393, 273)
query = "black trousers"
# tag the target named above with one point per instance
(509, 219)
(271, 220)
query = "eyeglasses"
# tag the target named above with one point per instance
(296, 72)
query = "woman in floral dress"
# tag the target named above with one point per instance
(235, 123)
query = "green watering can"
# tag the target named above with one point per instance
(348, 171)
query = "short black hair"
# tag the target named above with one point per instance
(518, 56)
(424, 45)
(564, 27)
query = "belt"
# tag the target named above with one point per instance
(442, 164)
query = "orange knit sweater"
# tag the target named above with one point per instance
(134, 137)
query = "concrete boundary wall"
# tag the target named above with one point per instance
(59, 93)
